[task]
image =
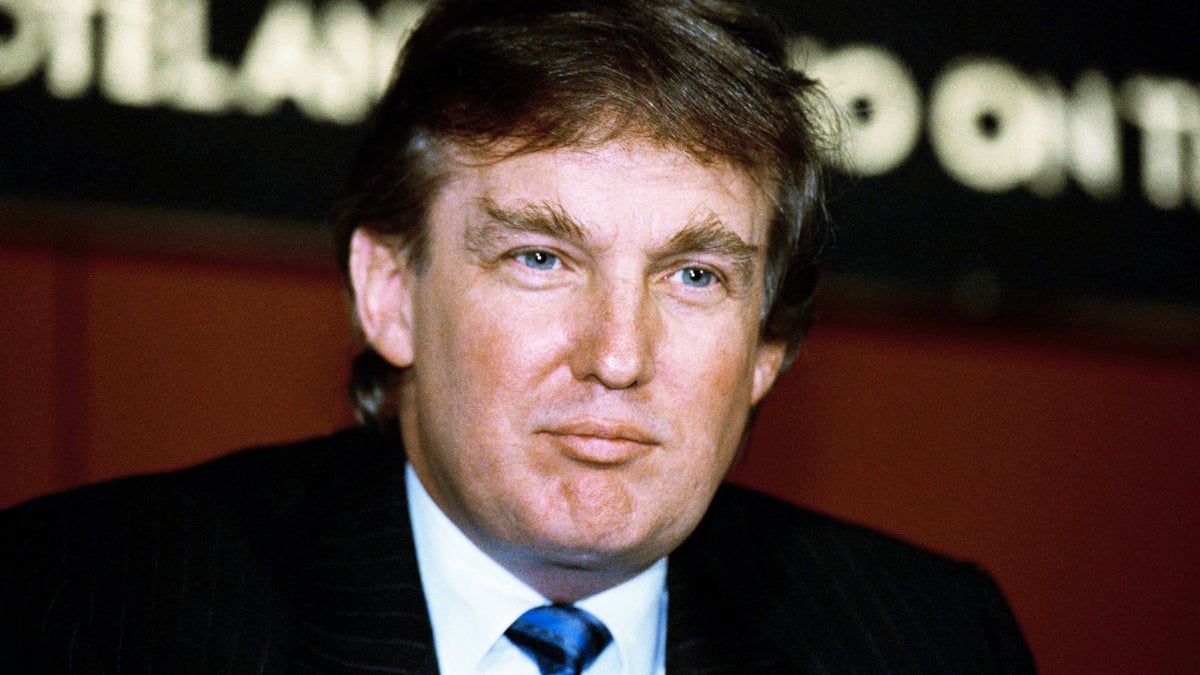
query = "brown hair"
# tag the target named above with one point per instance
(707, 77)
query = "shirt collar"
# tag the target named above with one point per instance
(472, 599)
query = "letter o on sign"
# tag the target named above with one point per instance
(986, 124)
(879, 99)
(22, 51)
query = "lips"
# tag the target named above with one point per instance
(602, 441)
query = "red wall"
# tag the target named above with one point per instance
(1069, 472)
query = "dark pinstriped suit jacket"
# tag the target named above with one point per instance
(300, 559)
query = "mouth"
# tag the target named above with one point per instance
(601, 442)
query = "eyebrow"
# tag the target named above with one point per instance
(709, 235)
(705, 234)
(547, 219)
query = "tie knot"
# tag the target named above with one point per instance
(562, 639)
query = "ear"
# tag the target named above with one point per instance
(379, 274)
(766, 368)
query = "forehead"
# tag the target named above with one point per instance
(616, 188)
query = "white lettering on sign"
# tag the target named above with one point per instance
(995, 128)
(986, 125)
(1083, 138)
(879, 97)
(1167, 111)
(68, 34)
(331, 61)
(992, 127)
(21, 51)
(127, 60)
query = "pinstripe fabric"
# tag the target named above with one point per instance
(764, 587)
(300, 559)
(283, 560)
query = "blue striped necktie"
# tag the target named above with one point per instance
(562, 639)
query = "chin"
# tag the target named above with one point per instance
(613, 549)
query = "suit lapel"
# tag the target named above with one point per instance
(358, 593)
(712, 625)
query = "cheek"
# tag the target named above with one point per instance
(711, 386)
(714, 364)
(513, 339)
(494, 348)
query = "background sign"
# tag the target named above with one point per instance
(1011, 151)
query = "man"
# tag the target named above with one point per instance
(580, 243)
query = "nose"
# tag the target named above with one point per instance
(618, 329)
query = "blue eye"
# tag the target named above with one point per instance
(696, 277)
(538, 260)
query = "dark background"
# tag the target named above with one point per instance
(913, 229)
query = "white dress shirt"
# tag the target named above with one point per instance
(472, 600)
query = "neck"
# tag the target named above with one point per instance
(566, 583)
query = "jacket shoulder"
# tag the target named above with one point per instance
(845, 597)
(267, 478)
(140, 566)
(774, 527)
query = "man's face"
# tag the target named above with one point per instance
(583, 342)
